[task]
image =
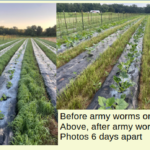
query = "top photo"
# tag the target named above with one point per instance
(103, 56)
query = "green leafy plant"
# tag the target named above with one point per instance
(90, 49)
(1, 115)
(108, 103)
(58, 45)
(120, 85)
(4, 97)
(106, 73)
(9, 84)
(96, 85)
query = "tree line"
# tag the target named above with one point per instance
(86, 7)
(30, 31)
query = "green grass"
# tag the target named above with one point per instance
(4, 46)
(7, 38)
(75, 51)
(35, 110)
(5, 58)
(81, 91)
(49, 53)
(144, 95)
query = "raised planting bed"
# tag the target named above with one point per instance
(8, 93)
(75, 40)
(48, 46)
(5, 58)
(35, 111)
(48, 71)
(123, 80)
(7, 43)
(3, 51)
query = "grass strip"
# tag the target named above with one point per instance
(4, 46)
(80, 92)
(5, 58)
(144, 95)
(35, 111)
(53, 44)
(48, 52)
(7, 40)
(75, 51)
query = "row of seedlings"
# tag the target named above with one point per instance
(120, 89)
(3, 51)
(5, 43)
(8, 93)
(35, 111)
(47, 46)
(76, 39)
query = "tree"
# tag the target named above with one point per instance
(111, 9)
(39, 31)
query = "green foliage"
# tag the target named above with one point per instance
(108, 103)
(4, 97)
(9, 85)
(34, 108)
(1, 115)
(5, 58)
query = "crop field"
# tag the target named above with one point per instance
(52, 39)
(69, 23)
(106, 70)
(28, 85)
(7, 38)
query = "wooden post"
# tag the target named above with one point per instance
(101, 18)
(65, 21)
(82, 20)
(88, 17)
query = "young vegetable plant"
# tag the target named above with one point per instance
(4, 97)
(120, 85)
(112, 103)
(1, 116)
(12, 73)
(90, 49)
(9, 85)
(97, 85)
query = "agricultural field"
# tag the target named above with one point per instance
(69, 23)
(28, 114)
(104, 71)
(52, 39)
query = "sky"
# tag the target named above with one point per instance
(27, 14)
(128, 4)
